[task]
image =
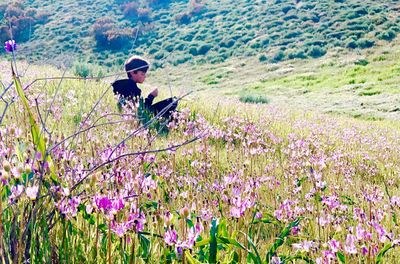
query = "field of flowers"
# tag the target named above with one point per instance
(82, 182)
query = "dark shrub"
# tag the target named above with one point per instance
(351, 44)
(362, 62)
(316, 52)
(298, 54)
(100, 28)
(42, 17)
(183, 18)
(144, 14)
(193, 51)
(286, 9)
(279, 56)
(119, 38)
(227, 43)
(131, 10)
(203, 49)
(262, 58)
(388, 35)
(254, 99)
(365, 43)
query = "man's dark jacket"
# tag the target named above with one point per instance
(128, 90)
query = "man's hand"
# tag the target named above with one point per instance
(154, 92)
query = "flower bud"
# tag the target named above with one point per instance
(28, 169)
(20, 169)
(184, 212)
(6, 166)
(5, 174)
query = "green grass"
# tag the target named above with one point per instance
(335, 84)
(254, 99)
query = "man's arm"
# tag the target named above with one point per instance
(149, 100)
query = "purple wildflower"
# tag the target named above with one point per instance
(350, 247)
(171, 237)
(103, 203)
(10, 45)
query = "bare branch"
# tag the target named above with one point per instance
(133, 154)
(148, 123)
(82, 131)
(41, 120)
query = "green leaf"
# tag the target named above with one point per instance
(235, 258)
(285, 259)
(256, 258)
(102, 227)
(382, 252)
(212, 258)
(230, 241)
(151, 204)
(222, 228)
(27, 177)
(267, 221)
(190, 259)
(341, 257)
(347, 200)
(202, 242)
(144, 247)
(189, 222)
(280, 240)
(38, 139)
(150, 234)
(300, 181)
(19, 149)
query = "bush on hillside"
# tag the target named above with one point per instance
(144, 14)
(109, 36)
(87, 70)
(196, 7)
(254, 99)
(316, 52)
(277, 57)
(388, 35)
(365, 43)
(362, 62)
(297, 54)
(130, 10)
(21, 19)
(100, 28)
(183, 18)
(119, 37)
(262, 58)
(351, 44)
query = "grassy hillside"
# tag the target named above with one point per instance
(363, 85)
(105, 32)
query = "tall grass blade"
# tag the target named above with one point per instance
(213, 242)
(38, 140)
(280, 240)
(382, 252)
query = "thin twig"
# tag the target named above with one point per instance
(84, 130)
(148, 123)
(40, 119)
(133, 154)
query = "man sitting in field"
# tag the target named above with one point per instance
(128, 91)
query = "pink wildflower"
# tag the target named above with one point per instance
(350, 247)
(171, 237)
(31, 192)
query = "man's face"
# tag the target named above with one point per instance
(138, 77)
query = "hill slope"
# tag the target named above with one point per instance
(178, 31)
